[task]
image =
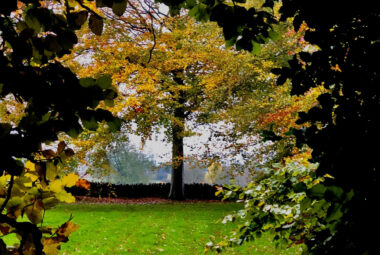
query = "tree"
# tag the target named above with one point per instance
(50, 99)
(131, 166)
(174, 82)
(344, 123)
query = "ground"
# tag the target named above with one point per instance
(149, 226)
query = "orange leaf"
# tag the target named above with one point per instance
(83, 183)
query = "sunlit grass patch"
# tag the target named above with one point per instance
(179, 228)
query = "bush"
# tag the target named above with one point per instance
(287, 201)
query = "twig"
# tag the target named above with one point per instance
(154, 44)
(153, 33)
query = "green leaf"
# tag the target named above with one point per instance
(73, 133)
(305, 203)
(190, 3)
(230, 42)
(194, 11)
(256, 48)
(199, 12)
(300, 187)
(87, 82)
(318, 190)
(335, 214)
(336, 191)
(91, 124)
(104, 82)
(114, 125)
(273, 35)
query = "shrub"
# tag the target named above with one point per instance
(287, 201)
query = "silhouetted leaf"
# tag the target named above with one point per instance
(95, 24)
(119, 7)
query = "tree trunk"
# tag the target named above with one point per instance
(178, 126)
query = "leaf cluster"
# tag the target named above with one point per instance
(37, 189)
(50, 100)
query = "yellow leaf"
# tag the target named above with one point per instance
(29, 165)
(329, 176)
(51, 171)
(4, 180)
(33, 176)
(56, 186)
(51, 246)
(63, 196)
(67, 228)
(70, 180)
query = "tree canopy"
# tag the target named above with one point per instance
(176, 64)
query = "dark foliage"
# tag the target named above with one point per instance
(345, 124)
(344, 131)
(192, 191)
(31, 38)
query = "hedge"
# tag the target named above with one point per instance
(161, 190)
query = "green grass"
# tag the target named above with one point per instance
(181, 228)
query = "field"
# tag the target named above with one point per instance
(175, 228)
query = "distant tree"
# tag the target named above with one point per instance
(194, 173)
(131, 166)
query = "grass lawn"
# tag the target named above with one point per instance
(180, 228)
